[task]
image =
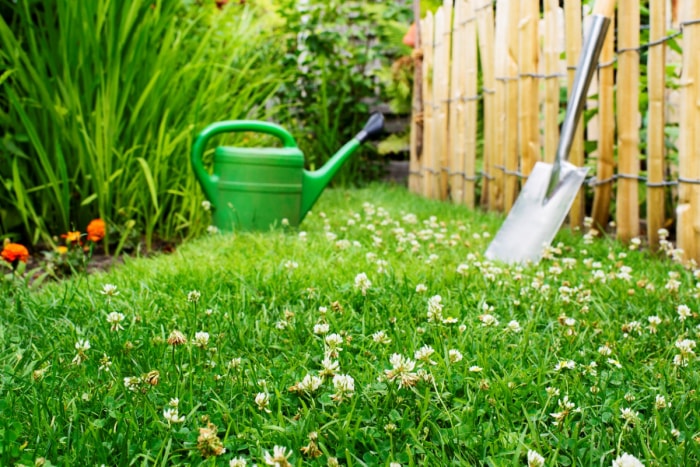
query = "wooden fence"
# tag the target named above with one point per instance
(487, 106)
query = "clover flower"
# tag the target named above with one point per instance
(193, 296)
(208, 441)
(627, 460)
(176, 338)
(309, 384)
(262, 400)
(279, 457)
(423, 354)
(201, 339)
(402, 371)
(237, 462)
(534, 459)
(435, 309)
(454, 355)
(683, 313)
(115, 319)
(344, 387)
(328, 367)
(362, 283)
(488, 320)
(513, 326)
(566, 408)
(110, 290)
(660, 402)
(171, 415)
(82, 346)
(333, 342)
(654, 322)
(380, 337)
(565, 365)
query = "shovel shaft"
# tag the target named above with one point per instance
(584, 74)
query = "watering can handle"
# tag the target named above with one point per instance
(208, 181)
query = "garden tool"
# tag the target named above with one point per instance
(255, 188)
(550, 190)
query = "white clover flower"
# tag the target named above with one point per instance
(604, 350)
(475, 369)
(454, 355)
(629, 416)
(310, 384)
(552, 392)
(683, 313)
(613, 362)
(193, 296)
(402, 371)
(132, 383)
(201, 339)
(212, 230)
(362, 283)
(566, 407)
(115, 319)
(627, 460)
(279, 457)
(344, 387)
(329, 367)
(513, 326)
(423, 354)
(488, 320)
(534, 459)
(174, 402)
(435, 309)
(171, 416)
(110, 290)
(462, 269)
(291, 265)
(565, 365)
(262, 400)
(82, 345)
(238, 461)
(660, 402)
(321, 328)
(380, 337)
(654, 322)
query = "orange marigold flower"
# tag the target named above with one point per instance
(96, 230)
(72, 237)
(14, 252)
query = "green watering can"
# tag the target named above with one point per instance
(254, 188)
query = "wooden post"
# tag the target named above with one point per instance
(501, 67)
(551, 70)
(606, 142)
(428, 42)
(472, 104)
(628, 120)
(416, 156)
(511, 179)
(529, 85)
(572, 11)
(688, 231)
(485, 30)
(656, 83)
(457, 126)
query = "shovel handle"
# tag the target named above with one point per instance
(604, 8)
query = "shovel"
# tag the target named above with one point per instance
(549, 192)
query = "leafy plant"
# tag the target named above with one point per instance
(337, 50)
(99, 103)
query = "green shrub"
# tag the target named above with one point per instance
(100, 101)
(337, 50)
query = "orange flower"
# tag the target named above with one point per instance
(72, 237)
(14, 252)
(96, 230)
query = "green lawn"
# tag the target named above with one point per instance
(374, 334)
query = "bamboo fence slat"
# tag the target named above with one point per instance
(428, 42)
(416, 148)
(551, 54)
(439, 123)
(457, 147)
(485, 30)
(529, 85)
(501, 100)
(656, 86)
(627, 211)
(605, 166)
(511, 178)
(472, 105)
(441, 95)
(573, 20)
(689, 192)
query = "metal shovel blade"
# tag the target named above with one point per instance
(534, 220)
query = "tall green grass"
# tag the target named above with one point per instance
(99, 103)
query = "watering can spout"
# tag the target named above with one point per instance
(315, 182)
